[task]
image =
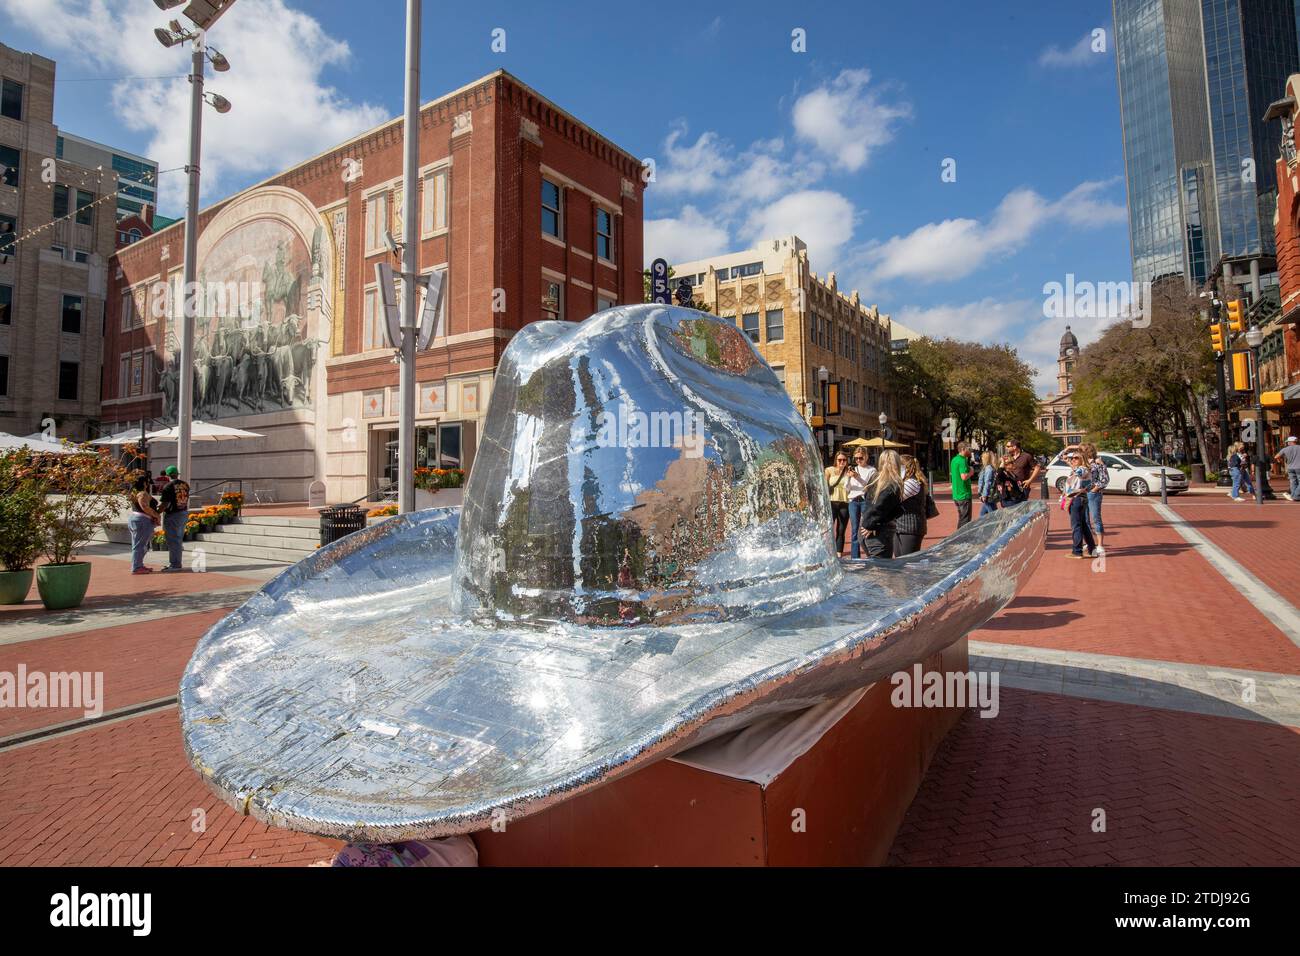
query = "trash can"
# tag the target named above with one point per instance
(1198, 473)
(338, 521)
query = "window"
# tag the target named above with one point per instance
(749, 269)
(85, 210)
(552, 299)
(373, 319)
(434, 202)
(779, 372)
(60, 200)
(605, 234)
(552, 223)
(376, 222)
(6, 304)
(11, 100)
(603, 303)
(4, 375)
(80, 255)
(68, 374)
(775, 325)
(750, 326)
(123, 376)
(449, 446)
(9, 166)
(72, 314)
(131, 318)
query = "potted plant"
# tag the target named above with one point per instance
(429, 481)
(235, 500)
(22, 524)
(160, 540)
(86, 491)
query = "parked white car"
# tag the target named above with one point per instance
(1129, 474)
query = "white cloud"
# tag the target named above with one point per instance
(283, 110)
(954, 248)
(847, 120)
(689, 235)
(694, 169)
(1081, 54)
(819, 217)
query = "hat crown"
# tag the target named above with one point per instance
(642, 467)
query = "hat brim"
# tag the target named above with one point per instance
(341, 699)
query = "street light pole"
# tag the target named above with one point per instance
(189, 299)
(410, 264)
(1254, 338)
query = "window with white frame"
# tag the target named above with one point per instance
(129, 318)
(552, 217)
(376, 222)
(604, 302)
(605, 234)
(433, 216)
(775, 325)
(749, 323)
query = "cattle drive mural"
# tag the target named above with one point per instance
(252, 350)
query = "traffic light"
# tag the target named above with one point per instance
(1241, 372)
(1216, 336)
(1236, 316)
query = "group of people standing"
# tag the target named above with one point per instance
(1082, 497)
(147, 512)
(884, 509)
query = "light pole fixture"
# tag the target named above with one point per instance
(1254, 339)
(202, 13)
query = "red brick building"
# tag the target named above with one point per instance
(1280, 358)
(531, 213)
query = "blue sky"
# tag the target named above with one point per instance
(842, 143)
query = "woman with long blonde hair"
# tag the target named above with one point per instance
(916, 508)
(884, 506)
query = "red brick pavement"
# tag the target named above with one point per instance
(113, 585)
(140, 662)
(1264, 540)
(1176, 788)
(123, 794)
(1157, 599)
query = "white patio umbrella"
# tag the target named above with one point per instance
(203, 431)
(36, 443)
(121, 438)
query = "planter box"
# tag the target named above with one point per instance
(442, 498)
(14, 585)
(63, 585)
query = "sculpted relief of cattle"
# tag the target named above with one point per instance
(252, 350)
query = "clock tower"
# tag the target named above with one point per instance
(1065, 363)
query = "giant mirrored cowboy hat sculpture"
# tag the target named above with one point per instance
(643, 561)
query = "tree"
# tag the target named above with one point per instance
(982, 392)
(1151, 374)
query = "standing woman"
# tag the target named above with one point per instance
(143, 519)
(1239, 468)
(1100, 478)
(916, 509)
(861, 480)
(988, 487)
(1076, 498)
(884, 507)
(837, 480)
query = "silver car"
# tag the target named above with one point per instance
(1129, 474)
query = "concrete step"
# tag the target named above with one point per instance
(262, 539)
(304, 532)
(280, 521)
(211, 546)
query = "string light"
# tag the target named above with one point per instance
(97, 180)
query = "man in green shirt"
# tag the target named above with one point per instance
(961, 474)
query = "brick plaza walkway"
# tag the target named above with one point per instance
(1121, 692)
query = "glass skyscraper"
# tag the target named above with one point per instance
(1195, 77)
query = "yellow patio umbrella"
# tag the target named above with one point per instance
(872, 443)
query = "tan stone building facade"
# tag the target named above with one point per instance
(803, 324)
(1056, 411)
(53, 279)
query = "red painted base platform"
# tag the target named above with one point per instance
(839, 803)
